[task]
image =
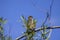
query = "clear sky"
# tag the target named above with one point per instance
(13, 9)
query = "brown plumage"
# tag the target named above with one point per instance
(30, 22)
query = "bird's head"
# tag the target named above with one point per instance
(30, 17)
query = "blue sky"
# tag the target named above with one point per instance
(13, 9)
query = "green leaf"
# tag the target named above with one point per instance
(24, 21)
(3, 21)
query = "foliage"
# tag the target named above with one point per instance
(2, 37)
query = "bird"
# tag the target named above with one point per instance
(31, 23)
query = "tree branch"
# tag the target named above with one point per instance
(36, 30)
(20, 37)
(53, 27)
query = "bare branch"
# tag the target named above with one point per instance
(20, 37)
(36, 30)
(53, 27)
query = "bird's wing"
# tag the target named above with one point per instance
(35, 21)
